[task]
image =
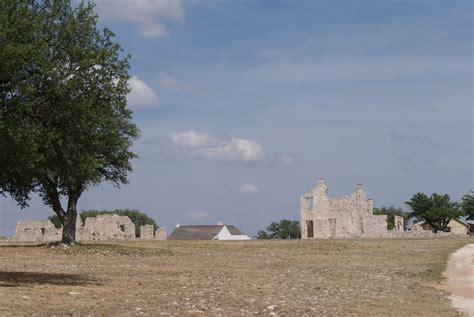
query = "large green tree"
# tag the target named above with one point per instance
(436, 210)
(468, 205)
(285, 229)
(64, 124)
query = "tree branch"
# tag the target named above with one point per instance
(51, 190)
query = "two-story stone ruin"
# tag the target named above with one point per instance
(323, 217)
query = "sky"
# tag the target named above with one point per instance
(243, 104)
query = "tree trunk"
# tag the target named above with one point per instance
(69, 221)
(69, 228)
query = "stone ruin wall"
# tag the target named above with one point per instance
(104, 228)
(346, 217)
(36, 231)
(399, 224)
(340, 217)
(147, 232)
(110, 227)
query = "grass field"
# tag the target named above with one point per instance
(391, 277)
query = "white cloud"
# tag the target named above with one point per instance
(248, 189)
(147, 13)
(235, 149)
(193, 139)
(141, 95)
(213, 148)
(197, 215)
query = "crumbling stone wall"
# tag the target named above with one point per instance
(147, 232)
(399, 223)
(160, 233)
(36, 231)
(106, 227)
(99, 228)
(340, 217)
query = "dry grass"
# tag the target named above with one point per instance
(332, 277)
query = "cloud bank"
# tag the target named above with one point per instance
(214, 148)
(146, 13)
(141, 95)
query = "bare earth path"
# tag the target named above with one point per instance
(460, 283)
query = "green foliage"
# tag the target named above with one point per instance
(56, 222)
(436, 210)
(262, 235)
(391, 212)
(468, 205)
(64, 122)
(285, 229)
(138, 218)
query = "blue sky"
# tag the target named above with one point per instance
(243, 104)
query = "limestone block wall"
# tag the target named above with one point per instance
(339, 217)
(160, 233)
(375, 226)
(99, 228)
(36, 231)
(147, 232)
(106, 227)
(399, 224)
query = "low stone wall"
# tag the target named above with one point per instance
(109, 227)
(147, 232)
(160, 234)
(36, 231)
(106, 227)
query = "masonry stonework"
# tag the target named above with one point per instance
(148, 232)
(100, 228)
(36, 231)
(106, 227)
(340, 217)
(399, 223)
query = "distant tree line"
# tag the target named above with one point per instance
(138, 218)
(285, 229)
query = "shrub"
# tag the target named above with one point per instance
(285, 229)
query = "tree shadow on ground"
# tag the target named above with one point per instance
(16, 279)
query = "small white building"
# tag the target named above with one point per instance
(208, 232)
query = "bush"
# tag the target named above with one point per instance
(138, 218)
(285, 229)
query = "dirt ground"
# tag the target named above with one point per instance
(460, 279)
(391, 277)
